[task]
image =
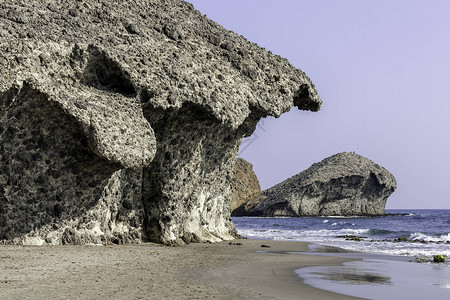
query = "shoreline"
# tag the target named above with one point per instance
(238, 269)
(421, 233)
(151, 271)
(269, 273)
(381, 277)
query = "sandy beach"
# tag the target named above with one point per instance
(151, 271)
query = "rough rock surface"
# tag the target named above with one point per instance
(341, 185)
(245, 183)
(120, 120)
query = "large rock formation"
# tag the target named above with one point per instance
(341, 185)
(245, 183)
(120, 121)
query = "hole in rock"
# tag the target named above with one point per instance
(103, 73)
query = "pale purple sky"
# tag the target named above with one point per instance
(382, 71)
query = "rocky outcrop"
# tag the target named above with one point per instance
(245, 183)
(341, 185)
(120, 121)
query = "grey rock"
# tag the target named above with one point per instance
(132, 113)
(341, 185)
(71, 237)
(245, 183)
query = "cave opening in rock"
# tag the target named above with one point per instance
(104, 73)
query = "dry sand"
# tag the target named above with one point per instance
(150, 271)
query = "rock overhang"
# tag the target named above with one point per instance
(121, 70)
(166, 56)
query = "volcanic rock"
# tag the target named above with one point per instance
(120, 121)
(341, 185)
(245, 183)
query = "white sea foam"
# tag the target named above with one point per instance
(301, 235)
(428, 238)
(329, 237)
(427, 226)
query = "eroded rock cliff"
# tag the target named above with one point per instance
(120, 121)
(341, 185)
(245, 183)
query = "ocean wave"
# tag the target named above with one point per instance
(429, 238)
(380, 232)
(328, 237)
(346, 217)
(263, 218)
(401, 249)
(300, 235)
(267, 230)
(419, 217)
(342, 224)
(429, 227)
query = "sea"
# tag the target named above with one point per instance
(427, 232)
(387, 248)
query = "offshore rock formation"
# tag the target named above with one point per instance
(341, 185)
(120, 121)
(245, 183)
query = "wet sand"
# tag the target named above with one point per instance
(380, 277)
(150, 271)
